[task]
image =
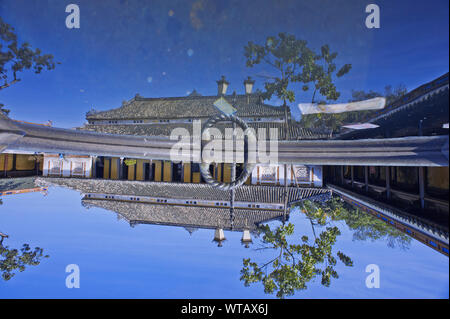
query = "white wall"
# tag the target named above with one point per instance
(68, 166)
(314, 173)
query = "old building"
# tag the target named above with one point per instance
(160, 116)
(189, 206)
(421, 192)
(422, 111)
(145, 189)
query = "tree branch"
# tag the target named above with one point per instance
(270, 63)
(4, 86)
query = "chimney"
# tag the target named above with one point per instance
(219, 236)
(222, 86)
(248, 85)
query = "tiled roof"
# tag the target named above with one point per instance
(246, 193)
(166, 129)
(295, 132)
(194, 107)
(185, 216)
(428, 103)
(414, 97)
(185, 107)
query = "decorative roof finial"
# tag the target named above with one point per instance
(222, 86)
(248, 83)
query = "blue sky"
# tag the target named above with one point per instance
(168, 48)
(150, 261)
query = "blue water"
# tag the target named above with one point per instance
(152, 261)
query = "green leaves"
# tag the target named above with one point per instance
(13, 259)
(364, 226)
(345, 259)
(3, 110)
(295, 62)
(344, 70)
(16, 57)
(296, 264)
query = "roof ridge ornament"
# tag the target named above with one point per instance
(194, 93)
(92, 111)
(248, 84)
(222, 86)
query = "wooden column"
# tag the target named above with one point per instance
(106, 167)
(422, 186)
(366, 178)
(187, 172)
(14, 163)
(167, 176)
(219, 172)
(140, 170)
(115, 168)
(120, 168)
(158, 171)
(4, 157)
(150, 173)
(132, 172)
(94, 167)
(388, 182)
(196, 177)
(352, 175)
(7, 161)
(227, 172)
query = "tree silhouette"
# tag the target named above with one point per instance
(296, 264)
(13, 259)
(3, 110)
(16, 57)
(365, 226)
(295, 62)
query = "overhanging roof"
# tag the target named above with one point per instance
(193, 107)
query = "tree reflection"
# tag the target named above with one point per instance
(364, 226)
(296, 264)
(13, 259)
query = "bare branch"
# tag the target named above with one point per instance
(4, 86)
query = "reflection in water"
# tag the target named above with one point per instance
(14, 259)
(292, 255)
(363, 225)
(299, 260)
